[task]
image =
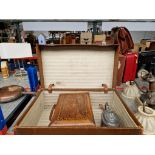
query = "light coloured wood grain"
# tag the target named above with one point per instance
(34, 113)
(44, 118)
(125, 118)
(96, 99)
(40, 111)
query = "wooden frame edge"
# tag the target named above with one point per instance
(77, 131)
(27, 110)
(115, 70)
(40, 66)
(39, 55)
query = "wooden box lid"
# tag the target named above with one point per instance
(72, 109)
(78, 66)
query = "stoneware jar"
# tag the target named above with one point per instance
(147, 119)
(129, 94)
(131, 91)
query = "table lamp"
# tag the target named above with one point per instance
(15, 51)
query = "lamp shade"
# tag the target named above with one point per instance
(15, 50)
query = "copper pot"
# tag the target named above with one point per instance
(10, 93)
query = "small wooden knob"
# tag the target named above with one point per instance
(101, 107)
(50, 87)
(105, 88)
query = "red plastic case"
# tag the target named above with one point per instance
(130, 66)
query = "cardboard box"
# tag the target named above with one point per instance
(86, 38)
(100, 38)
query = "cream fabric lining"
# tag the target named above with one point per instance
(39, 113)
(78, 68)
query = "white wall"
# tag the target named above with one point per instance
(37, 33)
(55, 26)
(139, 30)
(131, 26)
(138, 35)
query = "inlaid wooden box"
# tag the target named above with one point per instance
(74, 69)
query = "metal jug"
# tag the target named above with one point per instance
(109, 118)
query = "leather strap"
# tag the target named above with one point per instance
(123, 37)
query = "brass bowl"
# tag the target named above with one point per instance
(10, 93)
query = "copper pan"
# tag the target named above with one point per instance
(10, 93)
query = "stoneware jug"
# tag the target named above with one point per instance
(129, 94)
(131, 91)
(147, 119)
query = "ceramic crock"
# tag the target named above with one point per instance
(130, 91)
(129, 94)
(147, 119)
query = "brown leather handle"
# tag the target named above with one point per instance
(52, 111)
(104, 88)
(51, 114)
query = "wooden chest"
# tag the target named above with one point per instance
(77, 69)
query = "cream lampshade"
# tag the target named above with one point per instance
(15, 50)
(147, 119)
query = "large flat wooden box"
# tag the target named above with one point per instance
(72, 109)
(77, 69)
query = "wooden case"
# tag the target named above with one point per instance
(77, 69)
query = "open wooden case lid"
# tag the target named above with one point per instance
(77, 66)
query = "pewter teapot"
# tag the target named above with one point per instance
(109, 118)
